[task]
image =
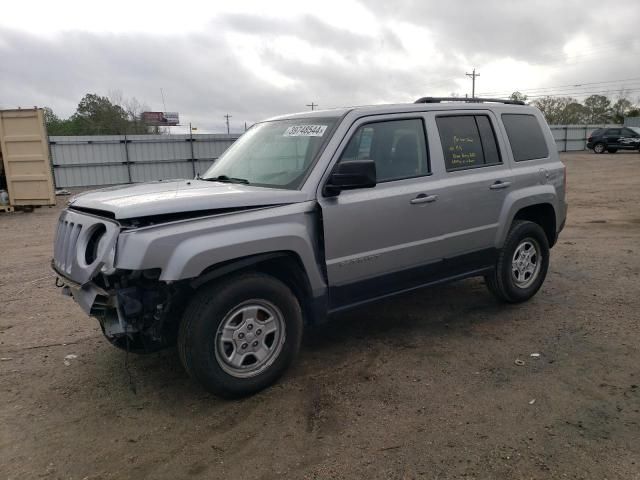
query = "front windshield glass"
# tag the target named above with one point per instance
(276, 154)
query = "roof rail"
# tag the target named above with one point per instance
(467, 100)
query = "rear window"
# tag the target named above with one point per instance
(525, 136)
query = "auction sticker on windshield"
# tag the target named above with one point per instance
(305, 131)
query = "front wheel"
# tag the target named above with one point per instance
(522, 263)
(239, 335)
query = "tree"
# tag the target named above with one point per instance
(517, 96)
(574, 113)
(621, 109)
(96, 115)
(553, 108)
(598, 109)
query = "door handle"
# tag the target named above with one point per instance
(499, 185)
(423, 198)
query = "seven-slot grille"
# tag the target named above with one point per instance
(65, 245)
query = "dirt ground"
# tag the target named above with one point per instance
(421, 386)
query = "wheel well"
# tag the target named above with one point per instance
(286, 266)
(544, 215)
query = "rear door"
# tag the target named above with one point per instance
(475, 183)
(612, 137)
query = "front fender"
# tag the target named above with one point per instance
(519, 199)
(184, 249)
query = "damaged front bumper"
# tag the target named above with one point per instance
(138, 311)
(96, 302)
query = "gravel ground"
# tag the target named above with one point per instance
(421, 386)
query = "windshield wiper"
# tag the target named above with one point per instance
(226, 179)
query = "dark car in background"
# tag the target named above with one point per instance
(613, 139)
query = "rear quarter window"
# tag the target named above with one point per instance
(525, 136)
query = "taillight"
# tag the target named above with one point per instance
(589, 139)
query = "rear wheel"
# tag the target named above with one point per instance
(522, 263)
(239, 335)
(599, 147)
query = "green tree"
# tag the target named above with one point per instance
(574, 113)
(598, 109)
(96, 115)
(553, 108)
(521, 97)
(621, 109)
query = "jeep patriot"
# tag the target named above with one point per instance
(309, 214)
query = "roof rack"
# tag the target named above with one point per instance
(467, 100)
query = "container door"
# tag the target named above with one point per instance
(25, 154)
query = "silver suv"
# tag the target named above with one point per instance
(310, 214)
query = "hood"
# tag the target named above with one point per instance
(178, 196)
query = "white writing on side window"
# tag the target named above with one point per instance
(305, 131)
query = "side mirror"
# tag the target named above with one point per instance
(351, 175)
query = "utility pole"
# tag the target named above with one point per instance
(312, 105)
(473, 76)
(227, 116)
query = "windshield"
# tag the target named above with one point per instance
(273, 154)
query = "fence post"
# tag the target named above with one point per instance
(126, 156)
(566, 137)
(193, 160)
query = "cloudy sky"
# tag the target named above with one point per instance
(255, 59)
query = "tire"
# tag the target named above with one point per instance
(599, 147)
(612, 150)
(223, 340)
(509, 281)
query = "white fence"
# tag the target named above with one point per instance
(115, 159)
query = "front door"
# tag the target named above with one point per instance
(375, 238)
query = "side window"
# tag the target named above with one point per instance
(468, 141)
(525, 136)
(629, 133)
(398, 147)
(613, 131)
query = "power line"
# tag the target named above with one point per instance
(577, 92)
(581, 84)
(582, 94)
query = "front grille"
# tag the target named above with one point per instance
(65, 244)
(74, 233)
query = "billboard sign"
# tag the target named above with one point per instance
(160, 119)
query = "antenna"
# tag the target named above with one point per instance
(312, 105)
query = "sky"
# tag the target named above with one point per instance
(257, 59)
